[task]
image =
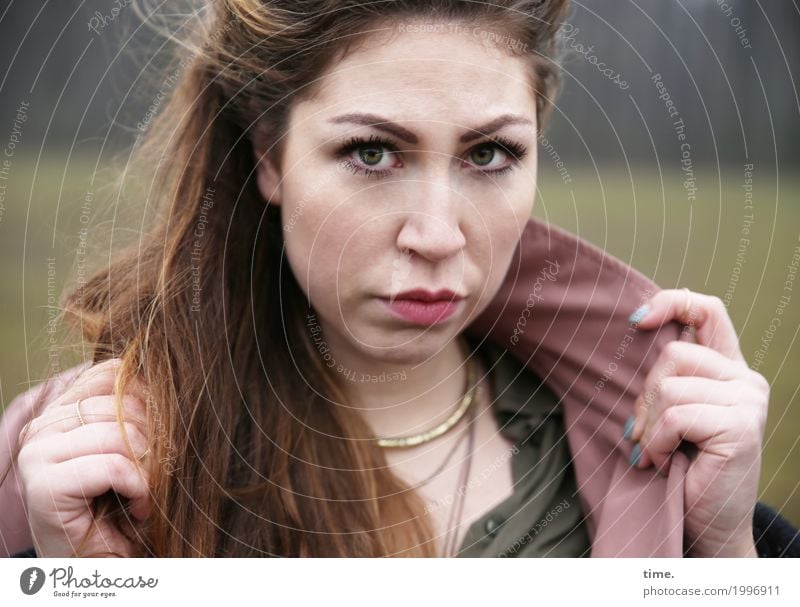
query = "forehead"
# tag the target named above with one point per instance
(449, 74)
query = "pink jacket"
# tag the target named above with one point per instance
(562, 311)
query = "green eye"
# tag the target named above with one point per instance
(483, 151)
(370, 155)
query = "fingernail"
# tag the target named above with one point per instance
(635, 454)
(639, 313)
(629, 424)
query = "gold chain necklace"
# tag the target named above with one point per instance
(424, 437)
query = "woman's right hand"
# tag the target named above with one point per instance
(64, 465)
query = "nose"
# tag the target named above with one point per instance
(432, 229)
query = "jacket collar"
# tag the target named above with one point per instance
(562, 312)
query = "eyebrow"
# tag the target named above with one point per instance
(400, 132)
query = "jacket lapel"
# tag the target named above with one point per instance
(562, 311)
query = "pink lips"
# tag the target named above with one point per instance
(424, 307)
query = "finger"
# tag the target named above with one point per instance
(683, 390)
(97, 408)
(707, 313)
(99, 380)
(689, 358)
(745, 397)
(86, 477)
(697, 423)
(100, 407)
(94, 438)
(677, 391)
(680, 358)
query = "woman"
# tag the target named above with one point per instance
(302, 338)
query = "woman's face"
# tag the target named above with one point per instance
(427, 200)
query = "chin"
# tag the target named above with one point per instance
(407, 346)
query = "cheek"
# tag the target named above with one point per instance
(496, 246)
(308, 247)
(330, 246)
(499, 224)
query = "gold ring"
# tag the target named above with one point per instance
(78, 411)
(146, 451)
(688, 305)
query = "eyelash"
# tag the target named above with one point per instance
(516, 150)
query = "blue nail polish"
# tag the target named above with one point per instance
(629, 424)
(639, 314)
(635, 454)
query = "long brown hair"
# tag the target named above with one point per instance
(253, 459)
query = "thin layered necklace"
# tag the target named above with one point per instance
(464, 408)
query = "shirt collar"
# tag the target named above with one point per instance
(521, 400)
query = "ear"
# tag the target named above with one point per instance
(268, 175)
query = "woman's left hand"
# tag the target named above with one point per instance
(704, 393)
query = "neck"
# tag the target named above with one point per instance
(399, 399)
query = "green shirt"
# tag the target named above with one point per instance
(543, 516)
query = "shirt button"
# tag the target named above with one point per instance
(492, 526)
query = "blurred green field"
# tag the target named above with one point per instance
(645, 218)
